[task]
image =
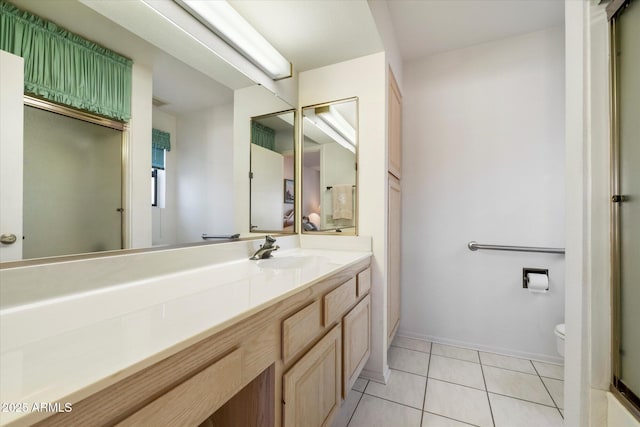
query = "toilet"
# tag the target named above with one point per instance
(559, 331)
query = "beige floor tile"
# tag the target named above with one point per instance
(458, 402)
(455, 352)
(347, 409)
(412, 361)
(516, 384)
(432, 420)
(549, 370)
(372, 411)
(360, 384)
(412, 344)
(456, 371)
(402, 387)
(506, 362)
(556, 389)
(508, 412)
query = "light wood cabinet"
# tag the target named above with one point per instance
(393, 265)
(395, 128)
(312, 386)
(280, 366)
(356, 327)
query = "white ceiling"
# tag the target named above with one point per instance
(312, 34)
(426, 27)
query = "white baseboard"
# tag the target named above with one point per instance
(489, 349)
(379, 377)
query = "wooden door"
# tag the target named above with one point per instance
(357, 342)
(394, 257)
(312, 386)
(395, 128)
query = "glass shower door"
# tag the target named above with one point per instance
(627, 202)
(72, 185)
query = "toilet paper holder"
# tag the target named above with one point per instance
(525, 271)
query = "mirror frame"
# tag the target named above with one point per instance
(296, 166)
(357, 169)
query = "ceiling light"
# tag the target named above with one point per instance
(330, 132)
(334, 119)
(227, 23)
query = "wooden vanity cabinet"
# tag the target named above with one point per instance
(281, 366)
(356, 327)
(312, 386)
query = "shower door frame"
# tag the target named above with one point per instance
(627, 397)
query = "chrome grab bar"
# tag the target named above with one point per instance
(474, 246)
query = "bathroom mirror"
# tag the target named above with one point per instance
(329, 167)
(205, 184)
(272, 173)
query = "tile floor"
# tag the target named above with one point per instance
(435, 385)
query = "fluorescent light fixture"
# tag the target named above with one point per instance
(334, 119)
(227, 23)
(330, 132)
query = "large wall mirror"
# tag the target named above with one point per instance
(272, 173)
(200, 186)
(329, 167)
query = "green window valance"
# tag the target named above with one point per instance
(263, 136)
(160, 141)
(65, 68)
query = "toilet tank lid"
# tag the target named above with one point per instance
(560, 329)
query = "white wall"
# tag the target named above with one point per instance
(138, 154)
(204, 164)
(164, 218)
(483, 160)
(365, 78)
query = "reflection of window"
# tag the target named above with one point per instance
(159, 146)
(154, 187)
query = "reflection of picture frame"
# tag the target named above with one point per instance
(288, 191)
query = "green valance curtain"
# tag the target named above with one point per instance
(160, 141)
(263, 136)
(65, 68)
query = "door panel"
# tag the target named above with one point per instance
(11, 88)
(72, 185)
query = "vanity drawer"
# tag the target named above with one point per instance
(364, 282)
(197, 398)
(300, 329)
(339, 300)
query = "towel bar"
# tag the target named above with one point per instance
(474, 246)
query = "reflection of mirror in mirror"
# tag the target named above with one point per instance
(329, 177)
(196, 103)
(272, 173)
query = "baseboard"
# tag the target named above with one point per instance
(379, 377)
(489, 349)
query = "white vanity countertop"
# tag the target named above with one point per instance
(64, 349)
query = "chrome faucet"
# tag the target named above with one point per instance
(265, 250)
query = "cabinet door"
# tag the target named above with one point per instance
(312, 386)
(357, 342)
(393, 267)
(395, 128)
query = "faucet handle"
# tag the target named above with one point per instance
(270, 239)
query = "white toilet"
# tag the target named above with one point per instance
(559, 331)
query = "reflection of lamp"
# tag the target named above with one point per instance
(330, 132)
(315, 219)
(227, 23)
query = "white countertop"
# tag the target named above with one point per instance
(64, 349)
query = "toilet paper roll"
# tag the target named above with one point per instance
(537, 282)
